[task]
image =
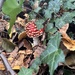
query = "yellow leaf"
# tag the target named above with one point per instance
(16, 67)
(69, 43)
(22, 35)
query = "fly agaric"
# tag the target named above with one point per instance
(33, 32)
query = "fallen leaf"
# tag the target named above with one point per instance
(22, 35)
(28, 52)
(16, 67)
(3, 24)
(63, 30)
(13, 55)
(70, 60)
(38, 50)
(69, 43)
(20, 21)
(26, 63)
(7, 45)
(27, 44)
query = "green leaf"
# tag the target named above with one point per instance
(32, 15)
(59, 22)
(39, 23)
(54, 5)
(47, 14)
(24, 71)
(37, 9)
(35, 64)
(7, 45)
(67, 17)
(49, 27)
(69, 4)
(53, 30)
(53, 55)
(12, 8)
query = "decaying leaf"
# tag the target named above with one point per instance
(22, 35)
(7, 45)
(36, 4)
(38, 50)
(63, 30)
(2, 66)
(20, 21)
(27, 44)
(3, 24)
(70, 60)
(13, 30)
(28, 52)
(67, 41)
(13, 55)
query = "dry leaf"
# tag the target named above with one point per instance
(28, 52)
(18, 61)
(70, 60)
(22, 35)
(2, 66)
(38, 51)
(3, 24)
(27, 44)
(13, 30)
(22, 52)
(16, 68)
(63, 30)
(20, 21)
(69, 43)
(36, 4)
(26, 63)
(14, 52)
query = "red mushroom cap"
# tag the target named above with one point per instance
(32, 31)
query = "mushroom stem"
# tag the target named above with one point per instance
(36, 41)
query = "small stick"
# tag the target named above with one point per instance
(6, 64)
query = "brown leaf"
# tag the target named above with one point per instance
(63, 30)
(38, 50)
(26, 63)
(20, 21)
(70, 60)
(22, 35)
(27, 57)
(13, 55)
(27, 44)
(28, 52)
(14, 52)
(18, 61)
(3, 24)
(69, 43)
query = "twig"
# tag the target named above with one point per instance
(6, 64)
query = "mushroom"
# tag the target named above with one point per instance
(33, 32)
